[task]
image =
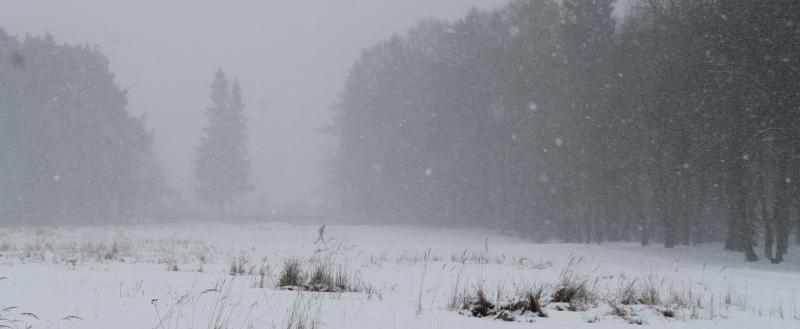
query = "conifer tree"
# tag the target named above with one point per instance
(222, 168)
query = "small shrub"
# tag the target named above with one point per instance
(534, 305)
(238, 267)
(291, 274)
(637, 292)
(627, 293)
(650, 294)
(321, 277)
(568, 293)
(481, 306)
(530, 301)
(574, 290)
(112, 254)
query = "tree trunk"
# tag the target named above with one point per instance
(769, 240)
(764, 207)
(670, 216)
(640, 212)
(700, 225)
(740, 234)
(682, 214)
(782, 208)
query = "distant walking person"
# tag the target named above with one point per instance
(321, 237)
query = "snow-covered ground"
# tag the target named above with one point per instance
(178, 276)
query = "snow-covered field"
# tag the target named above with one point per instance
(178, 276)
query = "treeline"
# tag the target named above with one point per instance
(678, 123)
(69, 150)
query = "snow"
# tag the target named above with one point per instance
(75, 278)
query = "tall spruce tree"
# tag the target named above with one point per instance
(222, 168)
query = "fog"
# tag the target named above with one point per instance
(425, 164)
(665, 121)
(290, 56)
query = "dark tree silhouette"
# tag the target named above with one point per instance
(555, 119)
(222, 168)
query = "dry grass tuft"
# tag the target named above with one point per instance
(291, 274)
(113, 253)
(481, 306)
(574, 290)
(239, 266)
(640, 292)
(533, 300)
(322, 278)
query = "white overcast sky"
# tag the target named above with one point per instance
(290, 55)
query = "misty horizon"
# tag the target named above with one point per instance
(290, 57)
(430, 164)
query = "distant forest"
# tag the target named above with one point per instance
(677, 122)
(673, 121)
(71, 153)
(69, 150)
